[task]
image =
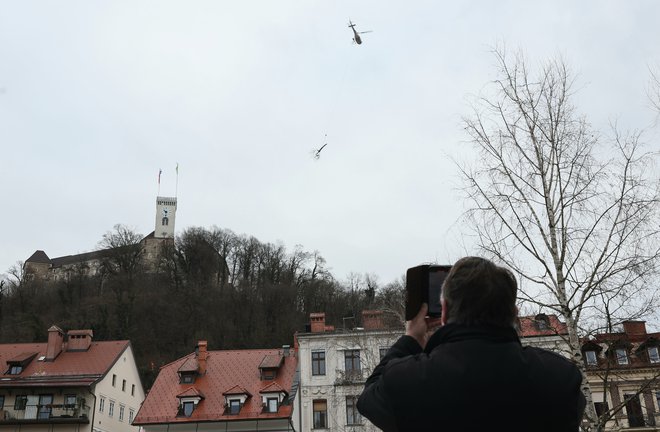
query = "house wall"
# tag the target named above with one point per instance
(276, 425)
(335, 385)
(123, 369)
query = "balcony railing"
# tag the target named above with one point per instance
(349, 377)
(50, 413)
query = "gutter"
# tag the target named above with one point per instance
(93, 409)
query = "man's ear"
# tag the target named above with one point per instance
(443, 317)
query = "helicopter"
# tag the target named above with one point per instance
(356, 34)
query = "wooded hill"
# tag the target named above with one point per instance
(232, 290)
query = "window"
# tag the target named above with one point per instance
(15, 369)
(591, 358)
(45, 406)
(320, 414)
(123, 385)
(187, 378)
(165, 221)
(234, 406)
(634, 410)
(101, 404)
(271, 405)
(114, 380)
(621, 356)
(20, 402)
(352, 360)
(2, 401)
(601, 408)
(318, 362)
(69, 401)
(131, 415)
(352, 415)
(188, 408)
(111, 408)
(132, 389)
(654, 356)
(382, 352)
(121, 412)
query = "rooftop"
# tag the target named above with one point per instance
(227, 372)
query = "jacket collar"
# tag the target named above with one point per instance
(458, 332)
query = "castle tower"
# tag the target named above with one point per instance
(165, 217)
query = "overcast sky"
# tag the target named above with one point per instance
(97, 96)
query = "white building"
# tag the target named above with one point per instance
(334, 364)
(69, 383)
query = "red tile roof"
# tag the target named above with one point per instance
(530, 326)
(273, 388)
(225, 370)
(191, 392)
(79, 368)
(271, 361)
(236, 390)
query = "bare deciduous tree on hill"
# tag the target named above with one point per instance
(576, 219)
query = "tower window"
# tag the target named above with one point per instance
(165, 221)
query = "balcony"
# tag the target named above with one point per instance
(349, 377)
(77, 413)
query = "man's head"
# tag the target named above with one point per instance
(476, 291)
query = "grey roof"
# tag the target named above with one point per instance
(39, 257)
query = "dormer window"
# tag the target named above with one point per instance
(591, 357)
(271, 405)
(272, 397)
(235, 398)
(188, 401)
(269, 366)
(654, 355)
(187, 377)
(621, 356)
(17, 365)
(234, 406)
(542, 322)
(187, 408)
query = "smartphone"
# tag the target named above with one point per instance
(424, 285)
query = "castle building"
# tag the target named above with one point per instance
(40, 266)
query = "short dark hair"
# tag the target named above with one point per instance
(479, 292)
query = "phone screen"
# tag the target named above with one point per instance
(436, 278)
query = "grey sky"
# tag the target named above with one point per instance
(96, 96)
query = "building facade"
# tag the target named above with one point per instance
(238, 390)
(69, 383)
(334, 365)
(623, 369)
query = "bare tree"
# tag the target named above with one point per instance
(577, 220)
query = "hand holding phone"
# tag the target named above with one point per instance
(424, 285)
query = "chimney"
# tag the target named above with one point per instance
(79, 340)
(202, 354)
(317, 321)
(372, 320)
(55, 342)
(634, 328)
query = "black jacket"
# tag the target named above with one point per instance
(473, 378)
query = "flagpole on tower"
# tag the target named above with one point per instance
(176, 188)
(160, 171)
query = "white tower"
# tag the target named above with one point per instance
(165, 217)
